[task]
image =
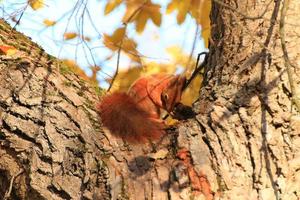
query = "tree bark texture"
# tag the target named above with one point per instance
(249, 125)
(243, 144)
(50, 138)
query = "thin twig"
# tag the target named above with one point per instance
(8, 192)
(287, 61)
(18, 21)
(121, 43)
(197, 69)
(193, 47)
(117, 68)
(195, 72)
(67, 25)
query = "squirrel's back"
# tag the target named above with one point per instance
(122, 115)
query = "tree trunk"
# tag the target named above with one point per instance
(243, 144)
(50, 138)
(249, 125)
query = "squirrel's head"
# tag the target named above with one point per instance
(165, 90)
(171, 94)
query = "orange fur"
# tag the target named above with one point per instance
(134, 116)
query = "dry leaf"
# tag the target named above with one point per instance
(140, 11)
(86, 38)
(36, 4)
(70, 36)
(199, 9)
(111, 5)
(141, 21)
(119, 40)
(156, 18)
(7, 50)
(48, 22)
(118, 35)
(161, 154)
(205, 36)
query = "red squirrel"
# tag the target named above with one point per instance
(135, 116)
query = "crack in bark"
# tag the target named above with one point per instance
(61, 94)
(20, 134)
(38, 122)
(60, 109)
(16, 100)
(61, 193)
(212, 152)
(210, 124)
(27, 117)
(252, 160)
(103, 173)
(3, 105)
(206, 140)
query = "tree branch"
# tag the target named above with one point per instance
(121, 43)
(287, 62)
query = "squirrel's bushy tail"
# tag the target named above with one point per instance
(125, 119)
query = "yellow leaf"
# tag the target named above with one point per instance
(119, 40)
(70, 36)
(172, 6)
(156, 18)
(189, 95)
(183, 8)
(198, 9)
(7, 50)
(36, 4)
(132, 11)
(70, 63)
(206, 35)
(201, 11)
(174, 51)
(129, 47)
(48, 22)
(154, 68)
(151, 7)
(11, 52)
(161, 154)
(111, 5)
(140, 11)
(118, 35)
(108, 42)
(141, 22)
(113, 42)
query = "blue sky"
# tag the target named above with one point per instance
(151, 43)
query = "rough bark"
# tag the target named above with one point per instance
(50, 140)
(249, 125)
(243, 144)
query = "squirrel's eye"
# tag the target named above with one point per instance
(165, 96)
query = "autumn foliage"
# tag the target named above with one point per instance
(137, 14)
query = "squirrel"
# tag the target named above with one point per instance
(135, 116)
